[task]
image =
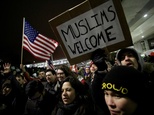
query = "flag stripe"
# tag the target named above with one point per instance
(37, 44)
(42, 43)
(34, 48)
(36, 54)
(49, 42)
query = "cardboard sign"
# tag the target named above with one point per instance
(91, 25)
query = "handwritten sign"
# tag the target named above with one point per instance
(92, 28)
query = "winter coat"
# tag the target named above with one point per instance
(78, 107)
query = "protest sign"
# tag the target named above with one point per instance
(91, 25)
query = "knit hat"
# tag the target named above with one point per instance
(126, 81)
(129, 50)
(135, 54)
(98, 58)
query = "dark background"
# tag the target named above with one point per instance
(37, 13)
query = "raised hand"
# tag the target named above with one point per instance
(7, 67)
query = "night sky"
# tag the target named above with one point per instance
(37, 13)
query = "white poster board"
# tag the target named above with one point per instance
(93, 28)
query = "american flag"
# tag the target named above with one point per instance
(50, 64)
(37, 44)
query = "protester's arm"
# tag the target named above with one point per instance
(25, 73)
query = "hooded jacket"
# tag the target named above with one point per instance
(135, 53)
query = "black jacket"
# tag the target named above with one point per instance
(98, 94)
(79, 107)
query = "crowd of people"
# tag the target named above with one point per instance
(123, 87)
